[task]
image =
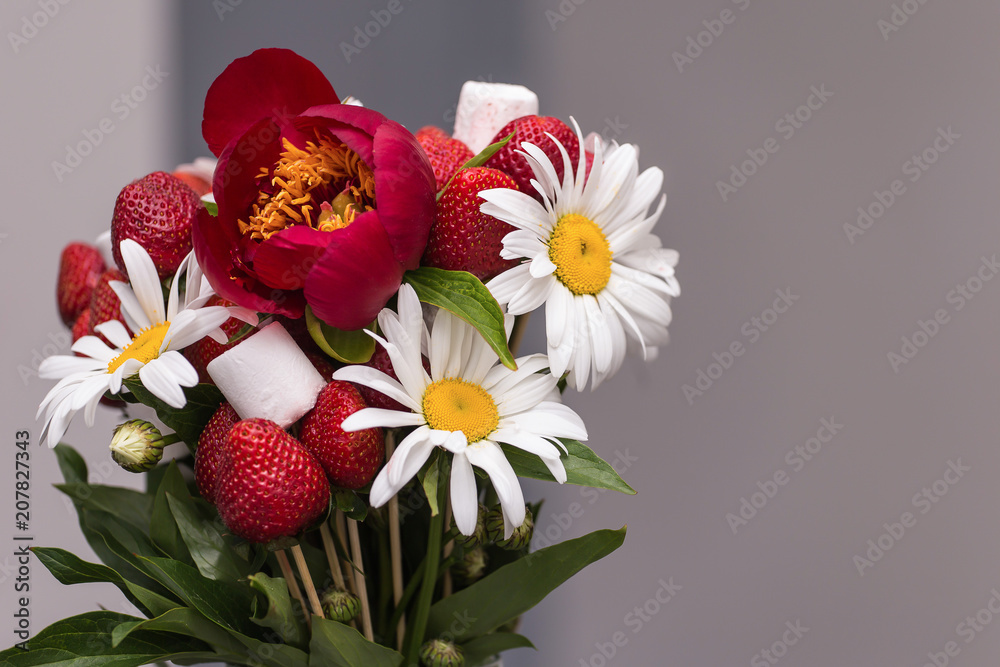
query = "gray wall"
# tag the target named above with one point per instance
(692, 461)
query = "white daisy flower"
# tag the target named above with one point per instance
(467, 405)
(149, 346)
(604, 278)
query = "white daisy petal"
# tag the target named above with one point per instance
(489, 457)
(532, 295)
(377, 380)
(160, 382)
(500, 378)
(144, 280)
(195, 326)
(517, 209)
(527, 394)
(179, 367)
(115, 332)
(60, 366)
(521, 243)
(133, 312)
(380, 418)
(94, 347)
(553, 419)
(410, 456)
(505, 286)
(600, 335)
(464, 497)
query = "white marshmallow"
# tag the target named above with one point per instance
(267, 375)
(484, 108)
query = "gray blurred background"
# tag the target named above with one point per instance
(703, 88)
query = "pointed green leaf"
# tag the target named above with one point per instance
(210, 204)
(508, 592)
(479, 159)
(188, 422)
(430, 478)
(134, 507)
(583, 467)
(212, 555)
(85, 641)
(225, 603)
(479, 650)
(163, 528)
(466, 297)
(337, 645)
(70, 569)
(350, 503)
(280, 615)
(350, 347)
(71, 464)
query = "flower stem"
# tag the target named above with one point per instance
(431, 564)
(395, 547)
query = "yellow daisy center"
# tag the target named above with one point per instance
(454, 404)
(324, 186)
(581, 253)
(145, 346)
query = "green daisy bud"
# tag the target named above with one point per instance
(471, 567)
(137, 445)
(478, 537)
(340, 605)
(439, 653)
(519, 539)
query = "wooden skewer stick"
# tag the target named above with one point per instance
(331, 557)
(395, 549)
(342, 536)
(293, 586)
(307, 581)
(359, 578)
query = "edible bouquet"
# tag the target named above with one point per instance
(327, 317)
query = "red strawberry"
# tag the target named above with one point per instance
(79, 268)
(268, 484)
(533, 130)
(205, 350)
(210, 444)
(81, 327)
(322, 363)
(104, 303)
(376, 399)
(446, 154)
(349, 459)
(462, 238)
(156, 211)
(200, 186)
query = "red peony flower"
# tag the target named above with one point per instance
(320, 203)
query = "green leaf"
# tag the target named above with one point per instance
(429, 479)
(163, 528)
(515, 588)
(479, 160)
(583, 467)
(280, 616)
(482, 648)
(134, 507)
(69, 569)
(350, 503)
(465, 296)
(182, 621)
(337, 645)
(85, 641)
(71, 464)
(188, 422)
(212, 555)
(225, 603)
(350, 347)
(210, 205)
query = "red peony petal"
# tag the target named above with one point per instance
(353, 281)
(269, 83)
(286, 258)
